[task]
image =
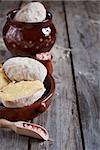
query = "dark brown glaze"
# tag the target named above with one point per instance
(30, 112)
(27, 39)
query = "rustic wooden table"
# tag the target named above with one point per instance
(73, 119)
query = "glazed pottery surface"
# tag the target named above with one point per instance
(27, 39)
(30, 112)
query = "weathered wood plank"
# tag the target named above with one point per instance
(8, 139)
(61, 119)
(5, 7)
(84, 32)
(4, 53)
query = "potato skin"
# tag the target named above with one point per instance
(24, 68)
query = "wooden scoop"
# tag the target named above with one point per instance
(26, 128)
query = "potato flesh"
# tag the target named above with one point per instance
(15, 91)
(3, 79)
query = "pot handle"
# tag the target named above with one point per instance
(42, 107)
(11, 14)
(49, 15)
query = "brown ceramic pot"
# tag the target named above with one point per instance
(30, 112)
(27, 39)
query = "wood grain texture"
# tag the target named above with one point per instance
(4, 53)
(84, 33)
(5, 7)
(10, 141)
(61, 119)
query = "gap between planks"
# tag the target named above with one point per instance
(74, 80)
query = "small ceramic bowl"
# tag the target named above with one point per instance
(28, 39)
(30, 112)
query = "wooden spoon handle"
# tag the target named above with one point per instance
(5, 123)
